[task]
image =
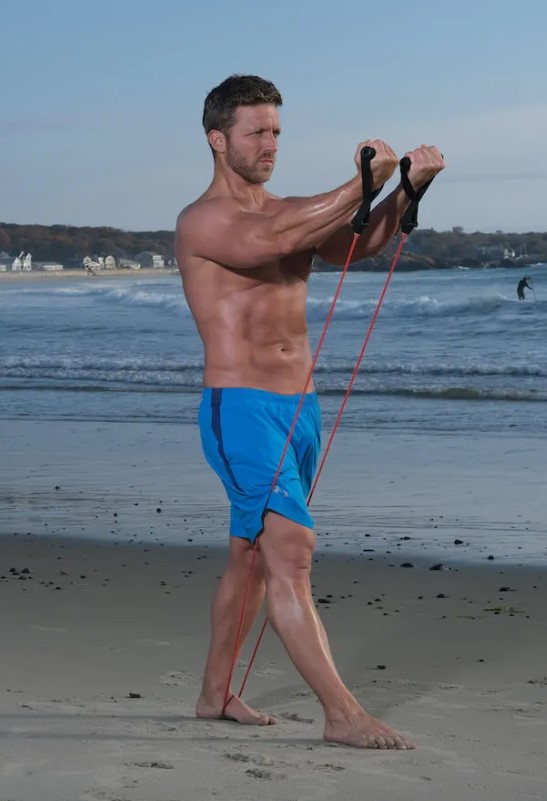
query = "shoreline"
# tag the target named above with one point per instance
(404, 267)
(81, 274)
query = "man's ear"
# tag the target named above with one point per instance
(217, 141)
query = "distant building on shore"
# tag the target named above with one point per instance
(148, 260)
(20, 263)
(129, 264)
(48, 266)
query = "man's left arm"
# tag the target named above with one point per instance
(383, 226)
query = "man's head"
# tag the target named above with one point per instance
(242, 125)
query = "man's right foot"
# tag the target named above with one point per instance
(236, 710)
(366, 732)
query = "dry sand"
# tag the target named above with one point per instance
(447, 656)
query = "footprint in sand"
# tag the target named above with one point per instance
(178, 678)
(159, 764)
(294, 716)
(258, 773)
(265, 670)
(255, 759)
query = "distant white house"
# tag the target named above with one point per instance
(99, 263)
(148, 259)
(20, 263)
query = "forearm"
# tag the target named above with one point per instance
(383, 226)
(302, 223)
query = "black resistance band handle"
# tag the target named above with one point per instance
(409, 220)
(369, 194)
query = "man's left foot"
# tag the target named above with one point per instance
(236, 710)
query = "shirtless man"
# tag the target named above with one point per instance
(245, 257)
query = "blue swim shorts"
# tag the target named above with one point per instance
(243, 433)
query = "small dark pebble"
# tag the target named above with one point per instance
(380, 667)
(491, 558)
(440, 566)
(323, 601)
(158, 510)
(458, 542)
(441, 595)
(407, 564)
(504, 589)
(134, 695)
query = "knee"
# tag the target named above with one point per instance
(245, 560)
(287, 553)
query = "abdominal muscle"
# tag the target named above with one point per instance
(280, 367)
(257, 338)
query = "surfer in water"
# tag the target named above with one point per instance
(245, 257)
(522, 285)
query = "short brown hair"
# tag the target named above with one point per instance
(237, 90)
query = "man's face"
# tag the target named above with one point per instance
(251, 143)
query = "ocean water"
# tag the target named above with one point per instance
(443, 438)
(452, 351)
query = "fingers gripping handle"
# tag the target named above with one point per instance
(409, 220)
(361, 218)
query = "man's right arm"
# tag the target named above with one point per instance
(219, 231)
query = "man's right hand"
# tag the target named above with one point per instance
(384, 163)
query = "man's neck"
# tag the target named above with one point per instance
(230, 184)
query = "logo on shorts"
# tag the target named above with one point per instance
(279, 490)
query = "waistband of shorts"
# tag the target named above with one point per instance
(250, 393)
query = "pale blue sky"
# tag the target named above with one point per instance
(101, 102)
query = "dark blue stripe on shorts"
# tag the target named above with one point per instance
(216, 399)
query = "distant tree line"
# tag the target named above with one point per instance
(63, 242)
(426, 248)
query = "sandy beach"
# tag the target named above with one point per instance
(104, 644)
(110, 552)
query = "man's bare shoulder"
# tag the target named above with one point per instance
(223, 206)
(202, 209)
